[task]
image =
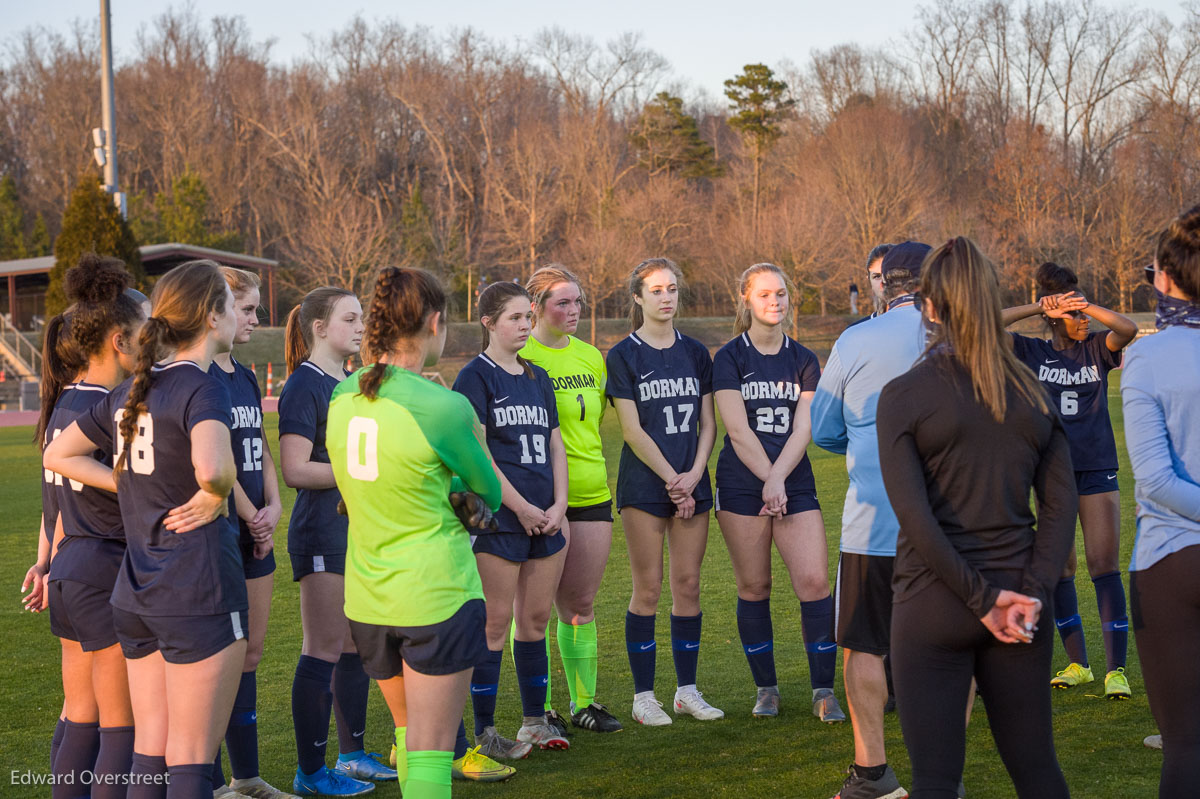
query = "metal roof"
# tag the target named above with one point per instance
(150, 254)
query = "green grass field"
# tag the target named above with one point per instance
(1099, 743)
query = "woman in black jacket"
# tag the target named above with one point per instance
(963, 437)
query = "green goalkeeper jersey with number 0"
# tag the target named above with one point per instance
(409, 560)
(579, 377)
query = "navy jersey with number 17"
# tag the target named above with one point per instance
(315, 527)
(197, 573)
(93, 534)
(518, 413)
(667, 387)
(770, 386)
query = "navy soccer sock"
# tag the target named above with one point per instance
(816, 625)
(1110, 597)
(312, 702)
(56, 740)
(241, 737)
(533, 670)
(639, 642)
(113, 762)
(218, 771)
(1066, 619)
(351, 687)
(148, 777)
(685, 647)
(758, 640)
(485, 682)
(460, 742)
(76, 757)
(190, 781)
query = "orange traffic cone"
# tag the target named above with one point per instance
(270, 378)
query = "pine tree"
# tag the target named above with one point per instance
(762, 104)
(12, 222)
(91, 223)
(39, 239)
(668, 140)
(416, 230)
(182, 215)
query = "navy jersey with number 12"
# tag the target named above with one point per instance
(248, 438)
(770, 386)
(518, 414)
(667, 387)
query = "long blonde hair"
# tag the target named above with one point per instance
(544, 280)
(742, 317)
(964, 289)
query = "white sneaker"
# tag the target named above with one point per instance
(690, 701)
(648, 710)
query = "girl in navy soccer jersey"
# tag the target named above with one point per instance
(764, 383)
(1073, 366)
(255, 512)
(521, 562)
(322, 332)
(94, 341)
(661, 385)
(179, 601)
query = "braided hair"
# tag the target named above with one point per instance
(181, 302)
(403, 299)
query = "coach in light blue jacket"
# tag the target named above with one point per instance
(865, 358)
(1160, 391)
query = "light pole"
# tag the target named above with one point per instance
(108, 110)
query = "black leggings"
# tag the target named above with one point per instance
(938, 645)
(1166, 622)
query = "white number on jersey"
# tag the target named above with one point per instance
(253, 459)
(767, 417)
(684, 426)
(539, 449)
(55, 477)
(141, 451)
(1068, 403)
(362, 449)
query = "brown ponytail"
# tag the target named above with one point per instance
(638, 276)
(181, 302)
(61, 364)
(316, 306)
(403, 299)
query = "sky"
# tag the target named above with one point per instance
(705, 44)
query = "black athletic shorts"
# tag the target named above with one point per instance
(666, 510)
(252, 567)
(1097, 481)
(519, 547)
(456, 644)
(600, 512)
(81, 613)
(863, 597)
(304, 565)
(181, 639)
(749, 503)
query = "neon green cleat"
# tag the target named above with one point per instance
(475, 765)
(1071, 676)
(1116, 685)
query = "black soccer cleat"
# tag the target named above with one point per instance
(596, 718)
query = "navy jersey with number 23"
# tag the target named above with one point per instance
(667, 387)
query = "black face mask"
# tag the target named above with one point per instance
(1174, 311)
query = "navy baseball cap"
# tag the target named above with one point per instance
(908, 255)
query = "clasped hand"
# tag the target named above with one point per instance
(1014, 617)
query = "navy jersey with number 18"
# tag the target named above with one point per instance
(667, 387)
(198, 573)
(770, 386)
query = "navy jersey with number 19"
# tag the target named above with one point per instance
(198, 573)
(518, 414)
(667, 387)
(770, 386)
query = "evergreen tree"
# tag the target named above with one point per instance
(12, 222)
(668, 140)
(762, 105)
(182, 215)
(416, 230)
(39, 240)
(91, 223)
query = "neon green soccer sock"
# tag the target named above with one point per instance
(580, 658)
(401, 757)
(428, 775)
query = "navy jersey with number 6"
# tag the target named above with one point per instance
(198, 573)
(518, 414)
(770, 386)
(667, 387)
(1077, 380)
(315, 527)
(94, 536)
(248, 436)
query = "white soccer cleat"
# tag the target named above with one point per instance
(691, 702)
(648, 710)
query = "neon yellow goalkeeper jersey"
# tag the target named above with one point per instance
(408, 559)
(579, 377)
